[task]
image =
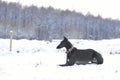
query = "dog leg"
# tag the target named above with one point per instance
(67, 64)
(63, 65)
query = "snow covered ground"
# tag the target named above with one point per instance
(39, 60)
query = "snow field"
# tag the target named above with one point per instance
(39, 60)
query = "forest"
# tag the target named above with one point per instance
(31, 22)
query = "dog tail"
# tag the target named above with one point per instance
(98, 57)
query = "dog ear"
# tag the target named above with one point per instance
(65, 38)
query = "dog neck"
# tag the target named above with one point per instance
(69, 50)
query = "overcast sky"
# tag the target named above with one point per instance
(105, 8)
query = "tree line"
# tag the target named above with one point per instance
(48, 23)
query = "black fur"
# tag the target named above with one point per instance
(76, 56)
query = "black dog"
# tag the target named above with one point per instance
(75, 56)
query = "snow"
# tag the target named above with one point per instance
(39, 60)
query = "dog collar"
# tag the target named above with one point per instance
(69, 50)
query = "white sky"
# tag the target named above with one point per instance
(106, 8)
